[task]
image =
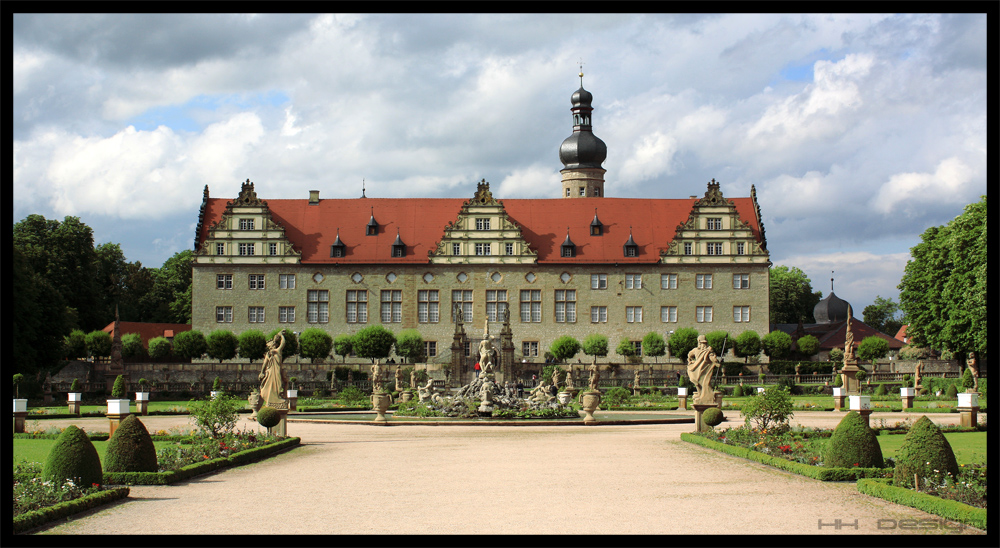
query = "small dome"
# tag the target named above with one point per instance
(582, 149)
(582, 98)
(831, 309)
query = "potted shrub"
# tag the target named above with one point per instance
(216, 388)
(142, 398)
(20, 405)
(74, 397)
(292, 393)
(118, 404)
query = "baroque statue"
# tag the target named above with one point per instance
(701, 364)
(270, 373)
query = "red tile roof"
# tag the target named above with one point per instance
(901, 334)
(421, 222)
(148, 331)
(836, 338)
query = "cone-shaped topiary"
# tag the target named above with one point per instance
(852, 444)
(924, 450)
(73, 457)
(952, 392)
(130, 449)
(75, 385)
(712, 416)
(118, 389)
(738, 391)
(268, 417)
(880, 391)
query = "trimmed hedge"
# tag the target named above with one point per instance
(947, 509)
(198, 468)
(36, 518)
(815, 472)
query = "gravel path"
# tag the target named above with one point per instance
(473, 480)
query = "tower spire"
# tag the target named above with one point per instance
(582, 153)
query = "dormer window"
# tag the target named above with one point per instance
(630, 249)
(338, 249)
(371, 229)
(596, 228)
(568, 248)
(398, 247)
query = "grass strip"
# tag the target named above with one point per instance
(816, 472)
(36, 518)
(947, 509)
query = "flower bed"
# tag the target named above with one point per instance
(59, 508)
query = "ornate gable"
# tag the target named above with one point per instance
(715, 233)
(246, 234)
(483, 233)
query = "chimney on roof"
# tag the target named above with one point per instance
(313, 197)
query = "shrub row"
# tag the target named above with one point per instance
(815, 472)
(98, 436)
(947, 509)
(36, 518)
(198, 468)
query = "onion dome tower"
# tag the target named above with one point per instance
(831, 309)
(582, 152)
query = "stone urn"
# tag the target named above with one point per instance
(406, 395)
(255, 404)
(74, 399)
(380, 403)
(564, 397)
(590, 402)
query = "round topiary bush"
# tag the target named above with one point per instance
(73, 457)
(853, 444)
(268, 417)
(130, 449)
(925, 453)
(712, 416)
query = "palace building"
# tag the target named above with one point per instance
(532, 269)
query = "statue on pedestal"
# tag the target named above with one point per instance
(701, 366)
(270, 373)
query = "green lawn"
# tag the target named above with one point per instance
(153, 406)
(969, 447)
(38, 450)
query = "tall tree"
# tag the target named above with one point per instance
(943, 290)
(792, 296)
(41, 322)
(881, 315)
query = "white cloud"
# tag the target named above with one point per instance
(952, 182)
(536, 181)
(859, 276)
(650, 157)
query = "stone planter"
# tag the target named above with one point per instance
(215, 393)
(255, 404)
(968, 407)
(907, 394)
(860, 403)
(117, 410)
(74, 400)
(564, 397)
(292, 395)
(20, 412)
(406, 396)
(590, 402)
(760, 389)
(380, 403)
(682, 398)
(968, 399)
(142, 403)
(839, 394)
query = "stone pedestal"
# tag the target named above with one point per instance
(968, 408)
(682, 398)
(114, 421)
(117, 411)
(699, 409)
(293, 398)
(907, 395)
(281, 429)
(839, 394)
(863, 405)
(20, 412)
(73, 399)
(849, 374)
(142, 403)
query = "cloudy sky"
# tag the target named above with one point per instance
(859, 131)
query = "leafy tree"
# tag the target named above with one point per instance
(216, 416)
(777, 344)
(190, 344)
(769, 410)
(747, 345)
(42, 320)
(98, 343)
(252, 344)
(654, 345)
(808, 345)
(173, 288)
(315, 344)
(837, 355)
(410, 345)
(873, 348)
(132, 346)
(719, 341)
(291, 342)
(943, 290)
(792, 296)
(881, 315)
(159, 348)
(343, 345)
(374, 342)
(625, 349)
(564, 348)
(683, 341)
(595, 345)
(222, 345)
(76, 344)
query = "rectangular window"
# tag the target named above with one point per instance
(633, 314)
(255, 314)
(428, 306)
(256, 281)
(637, 345)
(508, 248)
(220, 249)
(714, 223)
(703, 314)
(741, 281)
(467, 348)
(318, 305)
(668, 281)
(741, 248)
(529, 349)
(531, 305)
(337, 251)
(357, 306)
(392, 305)
(565, 305)
(583, 192)
(598, 314)
(703, 281)
(714, 248)
(224, 281)
(272, 248)
(224, 314)
(668, 314)
(688, 250)
(286, 281)
(598, 281)
(496, 303)
(482, 224)
(286, 314)
(247, 249)
(483, 249)
(246, 224)
(633, 281)
(456, 249)
(741, 314)
(430, 349)
(463, 299)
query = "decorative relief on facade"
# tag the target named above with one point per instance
(482, 234)
(246, 233)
